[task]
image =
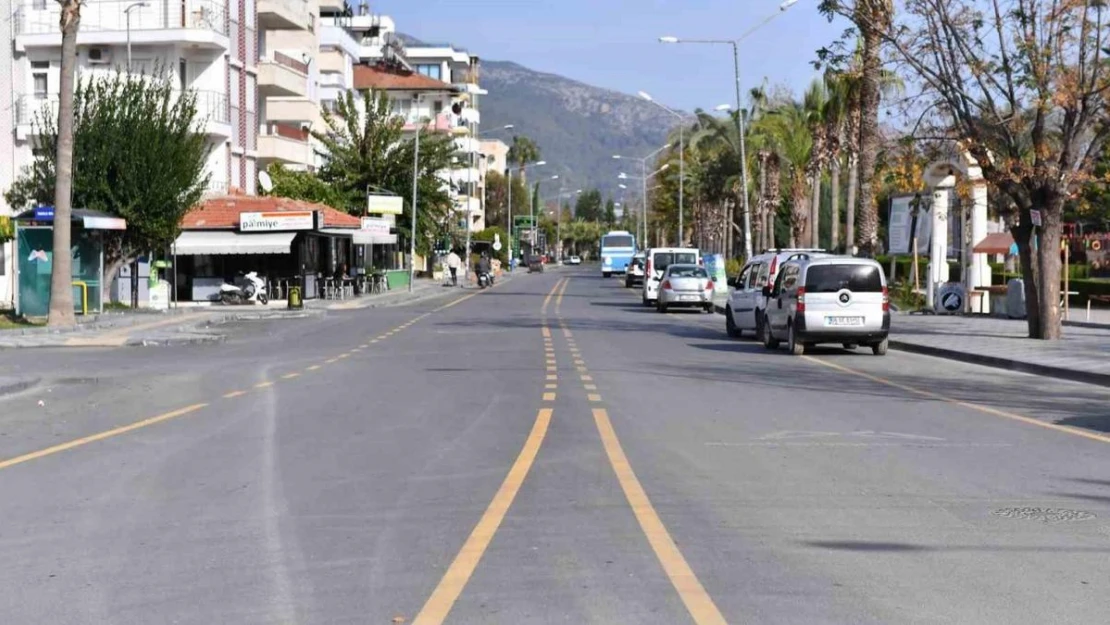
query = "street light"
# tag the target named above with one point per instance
(643, 179)
(739, 112)
(681, 159)
(469, 218)
(127, 15)
(509, 180)
(415, 180)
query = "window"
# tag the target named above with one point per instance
(761, 279)
(789, 278)
(182, 72)
(687, 271)
(431, 71)
(437, 107)
(402, 107)
(617, 241)
(39, 79)
(662, 260)
(3, 260)
(832, 278)
(745, 276)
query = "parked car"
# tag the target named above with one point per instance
(574, 260)
(837, 299)
(744, 310)
(656, 261)
(635, 273)
(685, 286)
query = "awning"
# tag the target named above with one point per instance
(366, 238)
(994, 243)
(198, 242)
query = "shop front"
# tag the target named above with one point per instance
(288, 243)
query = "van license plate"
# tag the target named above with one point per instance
(688, 298)
(843, 321)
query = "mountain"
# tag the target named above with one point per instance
(578, 127)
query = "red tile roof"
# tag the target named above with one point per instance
(222, 213)
(994, 243)
(371, 77)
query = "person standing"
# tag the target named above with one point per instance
(453, 263)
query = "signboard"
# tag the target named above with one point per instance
(904, 224)
(384, 205)
(375, 226)
(277, 221)
(44, 213)
(951, 298)
(715, 265)
(1035, 217)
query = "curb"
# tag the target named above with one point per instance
(171, 342)
(1098, 379)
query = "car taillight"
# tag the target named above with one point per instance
(801, 299)
(647, 267)
(774, 266)
(666, 284)
(886, 300)
(709, 286)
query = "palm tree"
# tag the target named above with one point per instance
(788, 126)
(814, 103)
(523, 151)
(61, 274)
(874, 18)
(722, 137)
(835, 121)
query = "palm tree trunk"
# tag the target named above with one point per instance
(61, 276)
(869, 141)
(834, 216)
(850, 210)
(799, 210)
(815, 212)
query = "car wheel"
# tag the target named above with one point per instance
(850, 346)
(769, 341)
(795, 346)
(879, 349)
(645, 301)
(606, 274)
(661, 307)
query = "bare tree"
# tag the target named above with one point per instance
(1020, 85)
(61, 274)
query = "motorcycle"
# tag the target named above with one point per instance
(252, 290)
(484, 280)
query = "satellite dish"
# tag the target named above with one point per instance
(265, 181)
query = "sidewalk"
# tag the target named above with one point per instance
(421, 289)
(1083, 354)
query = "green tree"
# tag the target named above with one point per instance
(497, 197)
(789, 127)
(365, 146)
(307, 186)
(588, 206)
(138, 156)
(521, 152)
(610, 213)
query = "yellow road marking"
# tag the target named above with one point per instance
(693, 594)
(100, 436)
(590, 387)
(593, 397)
(549, 396)
(579, 361)
(552, 369)
(439, 604)
(550, 361)
(566, 333)
(587, 378)
(313, 368)
(559, 299)
(263, 384)
(547, 300)
(551, 387)
(234, 394)
(546, 333)
(582, 369)
(553, 377)
(375, 341)
(456, 302)
(290, 376)
(364, 345)
(963, 404)
(329, 361)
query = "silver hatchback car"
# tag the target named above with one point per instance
(686, 286)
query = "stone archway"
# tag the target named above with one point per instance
(941, 175)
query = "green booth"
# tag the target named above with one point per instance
(34, 236)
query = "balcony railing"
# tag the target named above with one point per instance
(284, 59)
(38, 17)
(212, 106)
(286, 131)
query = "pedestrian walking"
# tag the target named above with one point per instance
(453, 263)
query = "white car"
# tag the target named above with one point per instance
(838, 299)
(685, 286)
(744, 310)
(574, 260)
(635, 273)
(656, 262)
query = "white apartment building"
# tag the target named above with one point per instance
(288, 82)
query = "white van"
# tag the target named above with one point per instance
(656, 262)
(744, 310)
(837, 299)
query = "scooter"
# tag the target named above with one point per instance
(253, 290)
(484, 280)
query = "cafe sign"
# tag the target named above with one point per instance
(375, 226)
(277, 221)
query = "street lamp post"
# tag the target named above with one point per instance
(412, 229)
(740, 121)
(474, 135)
(510, 181)
(643, 179)
(681, 159)
(127, 16)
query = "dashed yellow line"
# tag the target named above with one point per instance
(234, 394)
(439, 604)
(590, 387)
(551, 387)
(263, 384)
(290, 376)
(553, 377)
(549, 396)
(49, 451)
(331, 360)
(552, 369)
(582, 369)
(341, 356)
(313, 368)
(593, 397)
(693, 594)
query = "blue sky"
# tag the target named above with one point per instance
(613, 43)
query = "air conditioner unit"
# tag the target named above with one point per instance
(100, 56)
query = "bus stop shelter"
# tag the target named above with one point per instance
(34, 235)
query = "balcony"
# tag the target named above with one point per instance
(212, 113)
(332, 5)
(30, 111)
(286, 144)
(337, 37)
(301, 110)
(283, 15)
(332, 61)
(202, 23)
(282, 76)
(216, 187)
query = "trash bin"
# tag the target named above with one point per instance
(295, 301)
(1015, 299)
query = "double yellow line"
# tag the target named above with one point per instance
(693, 595)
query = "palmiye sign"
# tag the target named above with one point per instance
(384, 205)
(275, 221)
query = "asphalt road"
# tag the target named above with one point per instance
(431, 464)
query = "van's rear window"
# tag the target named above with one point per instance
(832, 278)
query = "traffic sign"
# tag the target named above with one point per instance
(497, 246)
(950, 298)
(1035, 216)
